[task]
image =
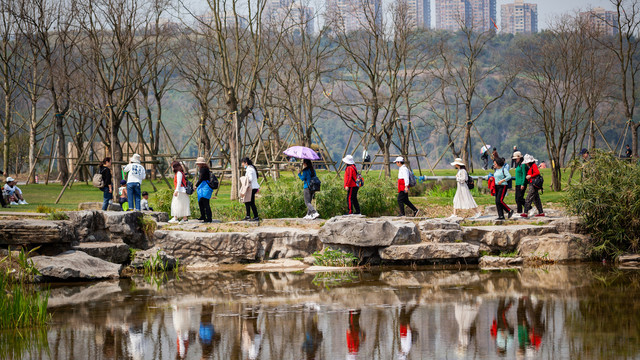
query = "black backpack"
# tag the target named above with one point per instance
(470, 183)
(509, 184)
(314, 183)
(537, 182)
(213, 181)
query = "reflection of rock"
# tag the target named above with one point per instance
(278, 265)
(629, 261)
(558, 247)
(115, 252)
(498, 262)
(195, 247)
(66, 296)
(555, 278)
(75, 265)
(158, 254)
(18, 232)
(278, 242)
(363, 232)
(504, 237)
(430, 252)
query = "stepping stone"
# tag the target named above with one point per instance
(430, 251)
(115, 252)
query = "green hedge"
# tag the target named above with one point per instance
(608, 200)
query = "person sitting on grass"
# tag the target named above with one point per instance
(122, 195)
(13, 193)
(144, 203)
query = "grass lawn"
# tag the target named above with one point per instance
(45, 195)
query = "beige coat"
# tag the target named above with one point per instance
(244, 193)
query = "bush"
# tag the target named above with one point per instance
(608, 200)
(284, 199)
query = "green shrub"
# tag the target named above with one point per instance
(608, 201)
(330, 257)
(58, 215)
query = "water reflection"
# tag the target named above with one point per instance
(550, 313)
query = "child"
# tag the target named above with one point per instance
(144, 203)
(122, 194)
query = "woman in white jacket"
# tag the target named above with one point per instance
(180, 202)
(252, 177)
(463, 199)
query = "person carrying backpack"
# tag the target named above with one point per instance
(204, 191)
(463, 199)
(533, 196)
(306, 174)
(107, 183)
(350, 184)
(403, 187)
(503, 178)
(521, 181)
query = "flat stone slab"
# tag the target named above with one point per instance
(115, 252)
(504, 237)
(278, 242)
(320, 269)
(75, 265)
(430, 251)
(278, 265)
(497, 262)
(556, 247)
(363, 232)
(35, 231)
(197, 247)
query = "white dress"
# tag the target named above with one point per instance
(463, 198)
(180, 204)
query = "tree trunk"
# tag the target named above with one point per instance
(205, 142)
(5, 133)
(465, 144)
(634, 138)
(62, 150)
(592, 134)
(32, 153)
(556, 173)
(233, 155)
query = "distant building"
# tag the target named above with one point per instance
(228, 21)
(292, 16)
(479, 14)
(603, 21)
(352, 15)
(419, 11)
(519, 18)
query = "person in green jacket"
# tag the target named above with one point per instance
(521, 180)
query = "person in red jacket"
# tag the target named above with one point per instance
(350, 176)
(533, 196)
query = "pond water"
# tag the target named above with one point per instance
(554, 312)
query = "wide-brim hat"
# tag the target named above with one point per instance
(399, 159)
(529, 159)
(457, 161)
(135, 158)
(348, 160)
(200, 160)
(517, 155)
(10, 179)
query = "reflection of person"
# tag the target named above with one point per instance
(465, 317)
(406, 332)
(312, 337)
(354, 335)
(207, 335)
(181, 324)
(251, 338)
(501, 330)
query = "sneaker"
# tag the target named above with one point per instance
(416, 213)
(315, 215)
(22, 202)
(307, 217)
(524, 215)
(255, 219)
(183, 222)
(540, 215)
(246, 218)
(173, 221)
(510, 214)
(500, 219)
(477, 215)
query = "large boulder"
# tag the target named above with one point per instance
(440, 224)
(154, 254)
(572, 224)
(433, 252)
(363, 232)
(89, 226)
(75, 265)
(98, 206)
(115, 252)
(277, 242)
(504, 237)
(556, 247)
(126, 226)
(441, 230)
(34, 231)
(195, 248)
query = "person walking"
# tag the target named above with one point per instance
(403, 187)
(521, 180)
(136, 173)
(502, 177)
(203, 190)
(107, 189)
(463, 199)
(180, 202)
(513, 160)
(350, 177)
(306, 174)
(251, 174)
(533, 196)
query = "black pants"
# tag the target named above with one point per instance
(2, 200)
(352, 200)
(533, 197)
(205, 209)
(251, 205)
(520, 197)
(501, 206)
(485, 161)
(403, 199)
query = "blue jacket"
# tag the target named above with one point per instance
(306, 176)
(502, 174)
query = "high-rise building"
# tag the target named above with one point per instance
(519, 18)
(603, 21)
(293, 17)
(419, 11)
(479, 14)
(351, 15)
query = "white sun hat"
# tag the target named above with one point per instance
(517, 155)
(399, 159)
(348, 160)
(529, 159)
(457, 161)
(135, 158)
(10, 179)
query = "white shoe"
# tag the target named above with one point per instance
(13, 203)
(477, 215)
(173, 220)
(22, 202)
(307, 217)
(315, 215)
(183, 222)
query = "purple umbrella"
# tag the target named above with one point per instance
(301, 152)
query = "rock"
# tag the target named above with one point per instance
(158, 216)
(556, 247)
(440, 224)
(309, 260)
(75, 265)
(499, 262)
(208, 248)
(278, 242)
(363, 232)
(141, 256)
(98, 206)
(629, 261)
(441, 236)
(33, 231)
(492, 210)
(278, 265)
(430, 252)
(504, 237)
(89, 226)
(572, 225)
(112, 252)
(125, 226)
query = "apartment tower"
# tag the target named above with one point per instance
(519, 18)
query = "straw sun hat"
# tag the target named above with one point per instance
(457, 161)
(200, 160)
